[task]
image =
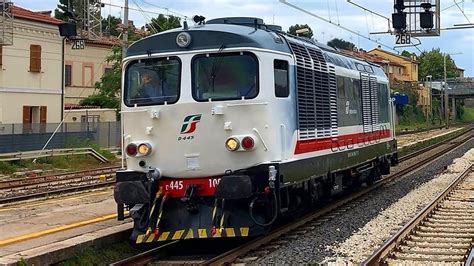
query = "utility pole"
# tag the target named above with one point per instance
(430, 111)
(125, 29)
(446, 99)
(446, 105)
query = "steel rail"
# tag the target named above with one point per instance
(56, 192)
(381, 254)
(19, 182)
(232, 255)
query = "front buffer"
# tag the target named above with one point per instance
(238, 204)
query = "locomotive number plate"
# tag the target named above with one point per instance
(175, 187)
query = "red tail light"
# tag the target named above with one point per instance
(247, 143)
(131, 149)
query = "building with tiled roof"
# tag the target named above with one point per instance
(40, 16)
(84, 67)
(409, 72)
(30, 67)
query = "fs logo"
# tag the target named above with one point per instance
(190, 123)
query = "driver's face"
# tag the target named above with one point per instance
(146, 78)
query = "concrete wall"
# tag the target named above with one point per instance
(20, 87)
(88, 66)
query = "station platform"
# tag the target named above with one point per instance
(50, 230)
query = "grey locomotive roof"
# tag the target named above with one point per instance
(210, 36)
(240, 32)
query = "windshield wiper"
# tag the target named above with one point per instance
(215, 65)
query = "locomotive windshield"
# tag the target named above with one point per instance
(152, 81)
(225, 76)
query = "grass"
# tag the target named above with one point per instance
(412, 148)
(468, 114)
(103, 256)
(70, 162)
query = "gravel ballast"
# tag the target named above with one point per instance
(351, 236)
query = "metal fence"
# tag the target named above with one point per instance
(28, 137)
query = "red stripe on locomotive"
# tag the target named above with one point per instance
(304, 146)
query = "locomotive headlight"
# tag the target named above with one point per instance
(144, 149)
(232, 144)
(183, 39)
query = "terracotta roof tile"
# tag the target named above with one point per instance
(26, 14)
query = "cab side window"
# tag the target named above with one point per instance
(280, 70)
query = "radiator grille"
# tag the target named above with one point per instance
(316, 93)
(370, 111)
(374, 103)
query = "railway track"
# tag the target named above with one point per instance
(266, 244)
(442, 232)
(34, 187)
(251, 250)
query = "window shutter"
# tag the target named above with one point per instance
(43, 112)
(35, 58)
(1, 55)
(26, 114)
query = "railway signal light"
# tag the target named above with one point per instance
(399, 18)
(399, 21)
(426, 17)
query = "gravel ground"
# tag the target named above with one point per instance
(334, 239)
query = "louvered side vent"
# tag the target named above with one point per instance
(374, 103)
(316, 93)
(366, 103)
(333, 97)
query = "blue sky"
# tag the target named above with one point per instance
(338, 11)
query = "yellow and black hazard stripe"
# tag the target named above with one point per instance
(192, 233)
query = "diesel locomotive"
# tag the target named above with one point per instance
(232, 124)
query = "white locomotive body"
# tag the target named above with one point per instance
(231, 124)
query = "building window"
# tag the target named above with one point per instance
(35, 58)
(1, 56)
(107, 70)
(87, 76)
(68, 75)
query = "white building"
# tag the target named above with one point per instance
(30, 70)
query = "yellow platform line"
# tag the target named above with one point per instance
(51, 200)
(56, 229)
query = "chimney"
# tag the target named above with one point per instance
(47, 13)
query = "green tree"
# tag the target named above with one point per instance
(163, 23)
(406, 53)
(110, 26)
(108, 88)
(341, 44)
(292, 30)
(431, 63)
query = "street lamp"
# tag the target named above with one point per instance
(446, 99)
(430, 114)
